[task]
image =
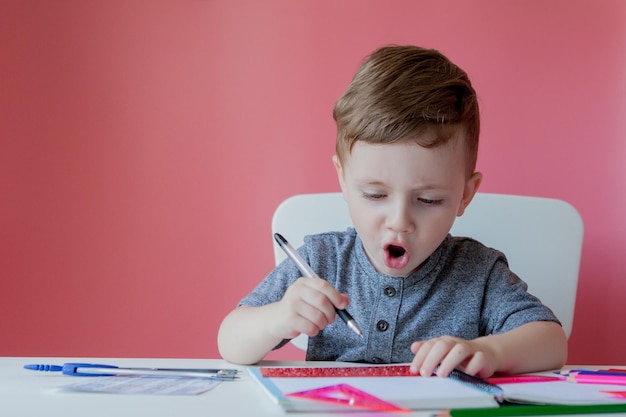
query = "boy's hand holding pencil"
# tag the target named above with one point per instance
(308, 306)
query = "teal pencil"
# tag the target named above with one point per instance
(531, 410)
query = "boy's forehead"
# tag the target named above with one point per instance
(406, 162)
(428, 139)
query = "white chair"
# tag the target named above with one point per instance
(541, 238)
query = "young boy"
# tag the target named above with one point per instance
(407, 144)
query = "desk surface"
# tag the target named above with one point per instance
(27, 393)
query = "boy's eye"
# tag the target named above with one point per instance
(373, 196)
(430, 202)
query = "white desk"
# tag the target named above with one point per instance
(26, 393)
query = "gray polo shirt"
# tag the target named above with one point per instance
(464, 289)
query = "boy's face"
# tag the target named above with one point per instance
(403, 199)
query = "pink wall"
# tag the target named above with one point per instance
(145, 144)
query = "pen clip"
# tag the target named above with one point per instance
(73, 369)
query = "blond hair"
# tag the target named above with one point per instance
(401, 92)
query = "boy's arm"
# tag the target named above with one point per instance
(242, 337)
(247, 334)
(535, 346)
(532, 347)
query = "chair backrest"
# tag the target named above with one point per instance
(541, 238)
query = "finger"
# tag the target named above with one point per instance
(420, 353)
(336, 298)
(302, 302)
(321, 305)
(455, 357)
(479, 365)
(427, 356)
(436, 354)
(313, 314)
(289, 323)
(306, 292)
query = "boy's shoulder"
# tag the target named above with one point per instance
(331, 236)
(331, 244)
(465, 242)
(468, 243)
(466, 249)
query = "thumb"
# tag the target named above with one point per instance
(343, 303)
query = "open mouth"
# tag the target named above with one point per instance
(396, 256)
(395, 251)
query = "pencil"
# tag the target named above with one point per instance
(306, 271)
(531, 410)
(515, 379)
(597, 378)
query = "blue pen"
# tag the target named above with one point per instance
(96, 369)
(598, 372)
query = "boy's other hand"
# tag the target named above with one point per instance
(447, 353)
(307, 307)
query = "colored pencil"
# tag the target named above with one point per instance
(597, 379)
(530, 410)
(513, 379)
(610, 371)
(599, 372)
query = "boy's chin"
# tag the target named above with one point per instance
(400, 272)
(395, 272)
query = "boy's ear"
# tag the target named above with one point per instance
(340, 174)
(471, 187)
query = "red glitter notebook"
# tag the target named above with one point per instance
(385, 384)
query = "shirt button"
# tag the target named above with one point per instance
(382, 325)
(377, 360)
(390, 291)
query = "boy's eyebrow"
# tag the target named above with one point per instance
(425, 186)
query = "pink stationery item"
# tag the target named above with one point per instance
(516, 379)
(325, 372)
(590, 378)
(618, 394)
(349, 396)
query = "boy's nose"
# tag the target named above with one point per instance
(399, 219)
